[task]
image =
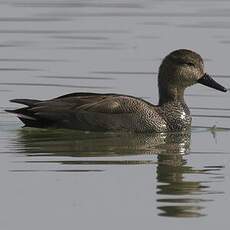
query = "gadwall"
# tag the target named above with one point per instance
(115, 112)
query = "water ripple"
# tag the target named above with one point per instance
(125, 72)
(19, 69)
(81, 37)
(32, 19)
(76, 77)
(51, 31)
(30, 60)
(70, 4)
(54, 85)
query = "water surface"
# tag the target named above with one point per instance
(55, 179)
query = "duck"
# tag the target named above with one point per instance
(112, 112)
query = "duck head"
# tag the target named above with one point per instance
(179, 70)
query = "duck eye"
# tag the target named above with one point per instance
(183, 62)
(190, 64)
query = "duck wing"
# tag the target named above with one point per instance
(77, 110)
(100, 103)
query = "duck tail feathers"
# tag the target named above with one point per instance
(28, 102)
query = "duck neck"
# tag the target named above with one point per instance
(170, 94)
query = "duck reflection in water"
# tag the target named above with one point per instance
(62, 142)
(179, 193)
(177, 196)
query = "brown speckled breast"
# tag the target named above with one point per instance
(177, 115)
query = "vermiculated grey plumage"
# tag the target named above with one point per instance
(114, 112)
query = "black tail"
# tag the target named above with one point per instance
(28, 102)
(27, 116)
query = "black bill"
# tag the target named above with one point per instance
(208, 81)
